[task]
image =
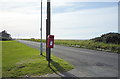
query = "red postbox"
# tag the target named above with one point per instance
(50, 41)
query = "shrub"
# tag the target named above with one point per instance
(108, 38)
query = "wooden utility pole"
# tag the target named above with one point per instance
(48, 25)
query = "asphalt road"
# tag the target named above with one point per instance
(87, 63)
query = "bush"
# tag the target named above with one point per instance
(108, 38)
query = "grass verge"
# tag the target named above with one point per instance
(19, 60)
(89, 44)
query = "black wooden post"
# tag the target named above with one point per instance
(48, 25)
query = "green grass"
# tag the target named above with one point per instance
(19, 60)
(89, 44)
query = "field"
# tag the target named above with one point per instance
(19, 60)
(89, 44)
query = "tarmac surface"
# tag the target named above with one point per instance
(87, 63)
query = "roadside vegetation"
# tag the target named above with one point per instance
(108, 38)
(20, 60)
(108, 42)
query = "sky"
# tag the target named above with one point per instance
(70, 19)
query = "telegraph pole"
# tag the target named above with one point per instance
(41, 31)
(48, 25)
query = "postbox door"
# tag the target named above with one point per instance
(50, 42)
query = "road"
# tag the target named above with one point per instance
(87, 63)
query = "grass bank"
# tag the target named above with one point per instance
(19, 60)
(89, 44)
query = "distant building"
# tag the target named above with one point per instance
(5, 36)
